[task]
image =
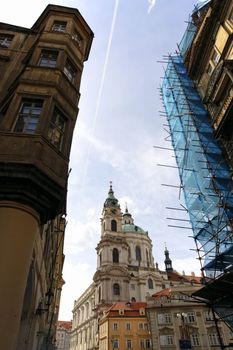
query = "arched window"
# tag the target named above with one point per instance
(150, 283)
(99, 292)
(116, 289)
(100, 257)
(133, 300)
(113, 225)
(115, 255)
(138, 253)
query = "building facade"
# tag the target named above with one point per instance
(40, 71)
(124, 326)
(63, 335)
(197, 94)
(125, 273)
(178, 321)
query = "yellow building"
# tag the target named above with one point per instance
(124, 326)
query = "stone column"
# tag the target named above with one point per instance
(19, 226)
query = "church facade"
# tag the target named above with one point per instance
(125, 272)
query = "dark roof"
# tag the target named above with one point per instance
(218, 290)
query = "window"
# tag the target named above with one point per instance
(115, 326)
(142, 344)
(57, 128)
(129, 344)
(6, 40)
(115, 343)
(128, 326)
(132, 286)
(115, 255)
(77, 38)
(146, 326)
(213, 339)
(48, 58)
(164, 318)
(99, 294)
(140, 326)
(150, 283)
(59, 26)
(166, 339)
(116, 289)
(145, 343)
(138, 253)
(133, 300)
(190, 318)
(195, 341)
(70, 71)
(28, 117)
(113, 225)
(214, 59)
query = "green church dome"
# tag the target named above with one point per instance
(133, 229)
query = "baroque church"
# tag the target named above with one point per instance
(125, 272)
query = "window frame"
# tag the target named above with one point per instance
(6, 40)
(54, 128)
(195, 339)
(129, 341)
(70, 70)
(128, 326)
(58, 26)
(27, 118)
(116, 288)
(115, 326)
(48, 63)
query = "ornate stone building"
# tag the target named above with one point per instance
(125, 272)
(40, 71)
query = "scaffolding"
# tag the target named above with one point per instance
(204, 174)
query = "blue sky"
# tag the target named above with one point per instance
(117, 127)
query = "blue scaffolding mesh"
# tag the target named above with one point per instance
(204, 174)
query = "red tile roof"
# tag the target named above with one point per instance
(64, 324)
(130, 309)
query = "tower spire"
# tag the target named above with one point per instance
(167, 261)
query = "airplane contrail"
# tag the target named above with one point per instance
(101, 85)
(152, 4)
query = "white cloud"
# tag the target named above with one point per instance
(187, 265)
(152, 4)
(81, 235)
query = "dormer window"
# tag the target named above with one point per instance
(59, 26)
(6, 40)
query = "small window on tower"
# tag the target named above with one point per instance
(113, 225)
(115, 255)
(150, 283)
(138, 253)
(116, 289)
